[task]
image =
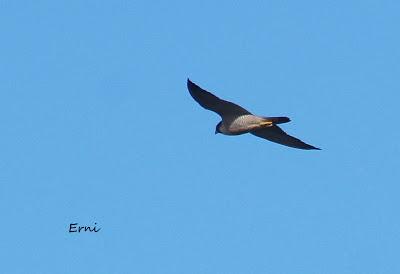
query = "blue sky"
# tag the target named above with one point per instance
(97, 126)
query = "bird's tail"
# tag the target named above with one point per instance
(277, 120)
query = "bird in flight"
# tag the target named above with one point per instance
(237, 120)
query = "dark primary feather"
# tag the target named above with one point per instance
(211, 102)
(277, 135)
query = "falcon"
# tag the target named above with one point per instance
(237, 120)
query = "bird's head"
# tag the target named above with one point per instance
(217, 128)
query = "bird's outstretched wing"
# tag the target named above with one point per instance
(277, 135)
(211, 102)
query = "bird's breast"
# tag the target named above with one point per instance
(239, 125)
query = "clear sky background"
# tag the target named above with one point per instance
(97, 125)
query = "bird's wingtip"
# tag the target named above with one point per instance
(190, 84)
(310, 147)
